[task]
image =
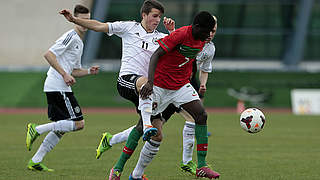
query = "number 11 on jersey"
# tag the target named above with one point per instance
(144, 45)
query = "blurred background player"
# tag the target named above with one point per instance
(168, 82)
(64, 58)
(204, 62)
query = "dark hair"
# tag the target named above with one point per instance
(149, 4)
(205, 20)
(79, 9)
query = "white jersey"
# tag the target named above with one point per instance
(137, 46)
(205, 57)
(68, 50)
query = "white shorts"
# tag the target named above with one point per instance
(163, 97)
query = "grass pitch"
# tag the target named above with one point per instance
(287, 148)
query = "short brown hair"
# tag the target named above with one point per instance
(149, 4)
(80, 9)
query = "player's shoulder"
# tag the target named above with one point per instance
(158, 33)
(209, 49)
(67, 37)
(211, 46)
(183, 29)
(69, 33)
(182, 32)
(128, 23)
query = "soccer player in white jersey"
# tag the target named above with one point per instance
(139, 42)
(64, 58)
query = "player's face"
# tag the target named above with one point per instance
(83, 16)
(201, 33)
(152, 20)
(212, 34)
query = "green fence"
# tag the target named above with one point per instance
(247, 29)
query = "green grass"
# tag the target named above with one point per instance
(288, 148)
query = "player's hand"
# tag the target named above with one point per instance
(67, 14)
(146, 90)
(169, 24)
(94, 69)
(69, 80)
(202, 89)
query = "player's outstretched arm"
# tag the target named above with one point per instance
(84, 72)
(87, 23)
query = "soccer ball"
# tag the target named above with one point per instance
(252, 120)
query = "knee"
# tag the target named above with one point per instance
(140, 82)
(59, 134)
(204, 115)
(202, 118)
(157, 137)
(139, 127)
(80, 125)
(157, 123)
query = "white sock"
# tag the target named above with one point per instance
(49, 142)
(149, 150)
(145, 106)
(121, 136)
(60, 126)
(188, 141)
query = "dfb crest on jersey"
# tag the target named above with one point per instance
(77, 109)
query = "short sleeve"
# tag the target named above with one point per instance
(169, 42)
(205, 58)
(206, 66)
(61, 45)
(78, 65)
(119, 28)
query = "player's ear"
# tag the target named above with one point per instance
(196, 27)
(144, 15)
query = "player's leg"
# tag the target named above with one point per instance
(33, 130)
(127, 151)
(145, 106)
(126, 86)
(161, 101)
(64, 109)
(149, 150)
(121, 136)
(108, 140)
(61, 106)
(187, 97)
(188, 134)
(197, 111)
(49, 142)
(188, 137)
